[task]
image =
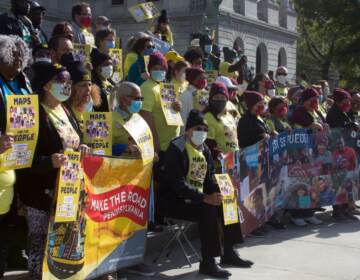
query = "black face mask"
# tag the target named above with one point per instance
(217, 106)
(67, 58)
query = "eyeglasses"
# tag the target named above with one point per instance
(200, 128)
(150, 47)
(137, 98)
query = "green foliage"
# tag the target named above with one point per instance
(329, 38)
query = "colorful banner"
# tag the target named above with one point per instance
(141, 133)
(168, 97)
(68, 192)
(297, 170)
(110, 230)
(159, 44)
(144, 11)
(229, 204)
(22, 121)
(82, 52)
(98, 132)
(116, 55)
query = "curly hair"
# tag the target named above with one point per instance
(10, 44)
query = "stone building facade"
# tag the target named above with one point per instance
(265, 29)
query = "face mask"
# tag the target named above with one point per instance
(135, 106)
(85, 21)
(282, 112)
(107, 71)
(198, 137)
(346, 107)
(282, 79)
(314, 104)
(158, 75)
(148, 51)
(59, 92)
(110, 44)
(22, 10)
(182, 77)
(217, 106)
(326, 92)
(242, 87)
(271, 92)
(67, 58)
(89, 107)
(260, 110)
(268, 85)
(208, 49)
(43, 59)
(321, 99)
(201, 84)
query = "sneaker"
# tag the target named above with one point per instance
(257, 233)
(140, 269)
(213, 270)
(349, 215)
(338, 215)
(299, 222)
(313, 220)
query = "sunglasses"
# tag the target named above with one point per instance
(138, 98)
(199, 128)
(150, 47)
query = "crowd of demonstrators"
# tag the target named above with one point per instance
(226, 114)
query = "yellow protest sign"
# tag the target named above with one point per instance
(229, 203)
(82, 52)
(146, 61)
(168, 97)
(68, 193)
(22, 121)
(98, 132)
(141, 133)
(211, 76)
(144, 11)
(116, 56)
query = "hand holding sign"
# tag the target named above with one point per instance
(6, 142)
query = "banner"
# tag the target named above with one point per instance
(141, 133)
(168, 97)
(159, 44)
(68, 193)
(297, 170)
(98, 132)
(110, 230)
(144, 11)
(229, 204)
(22, 121)
(116, 56)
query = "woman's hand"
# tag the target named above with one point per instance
(6, 142)
(58, 160)
(145, 76)
(316, 127)
(84, 150)
(177, 106)
(134, 150)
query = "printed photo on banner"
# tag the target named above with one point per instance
(139, 130)
(230, 208)
(116, 56)
(82, 52)
(98, 132)
(22, 119)
(144, 11)
(168, 97)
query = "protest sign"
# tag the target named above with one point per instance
(110, 230)
(141, 133)
(98, 132)
(211, 76)
(82, 52)
(230, 208)
(144, 11)
(22, 121)
(116, 56)
(159, 44)
(168, 97)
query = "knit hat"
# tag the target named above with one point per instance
(157, 58)
(294, 92)
(163, 18)
(98, 58)
(195, 118)
(44, 72)
(251, 98)
(218, 88)
(192, 73)
(308, 94)
(340, 94)
(78, 72)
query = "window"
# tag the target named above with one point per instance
(262, 10)
(282, 58)
(117, 2)
(197, 5)
(284, 6)
(239, 7)
(261, 59)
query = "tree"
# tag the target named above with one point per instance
(329, 37)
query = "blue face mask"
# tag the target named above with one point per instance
(158, 75)
(89, 107)
(208, 49)
(135, 106)
(148, 51)
(110, 44)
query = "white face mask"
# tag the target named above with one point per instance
(60, 91)
(43, 59)
(242, 87)
(182, 77)
(198, 137)
(282, 79)
(107, 71)
(89, 105)
(271, 92)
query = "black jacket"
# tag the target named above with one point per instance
(251, 130)
(36, 185)
(338, 119)
(13, 25)
(176, 165)
(104, 93)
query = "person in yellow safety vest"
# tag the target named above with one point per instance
(281, 83)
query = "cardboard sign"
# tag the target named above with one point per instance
(144, 11)
(168, 97)
(116, 56)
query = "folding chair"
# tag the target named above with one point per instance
(178, 229)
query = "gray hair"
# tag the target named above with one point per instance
(9, 44)
(120, 91)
